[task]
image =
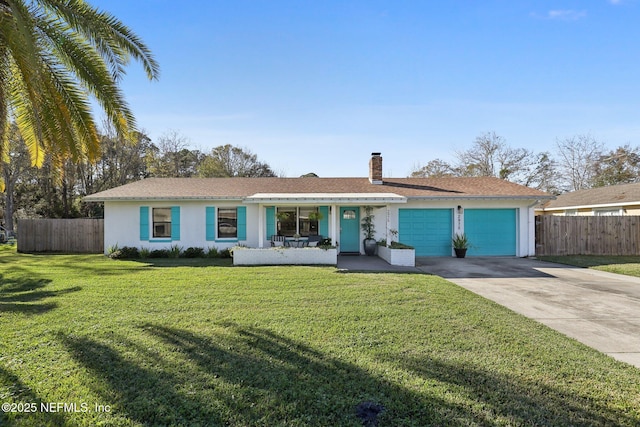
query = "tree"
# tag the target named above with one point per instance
(433, 169)
(55, 56)
(544, 175)
(577, 157)
(230, 161)
(171, 157)
(491, 156)
(619, 166)
(14, 164)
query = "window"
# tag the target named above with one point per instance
(161, 222)
(227, 223)
(349, 214)
(298, 220)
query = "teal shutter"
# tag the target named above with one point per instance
(175, 223)
(144, 223)
(323, 224)
(210, 223)
(242, 223)
(271, 221)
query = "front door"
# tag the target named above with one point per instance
(349, 229)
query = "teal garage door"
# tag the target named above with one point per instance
(491, 231)
(427, 230)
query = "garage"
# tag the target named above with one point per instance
(429, 231)
(491, 232)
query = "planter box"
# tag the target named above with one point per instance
(285, 256)
(403, 257)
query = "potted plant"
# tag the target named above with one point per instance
(460, 245)
(316, 216)
(369, 229)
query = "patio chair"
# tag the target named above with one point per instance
(277, 240)
(314, 240)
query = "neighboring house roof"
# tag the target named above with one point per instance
(259, 190)
(611, 196)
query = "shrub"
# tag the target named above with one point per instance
(193, 252)
(144, 252)
(398, 245)
(175, 251)
(159, 253)
(212, 252)
(127, 252)
(326, 244)
(225, 253)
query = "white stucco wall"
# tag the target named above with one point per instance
(122, 225)
(122, 222)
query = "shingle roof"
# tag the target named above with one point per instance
(613, 195)
(238, 188)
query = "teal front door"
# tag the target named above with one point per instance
(349, 229)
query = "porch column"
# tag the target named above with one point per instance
(261, 222)
(387, 232)
(333, 223)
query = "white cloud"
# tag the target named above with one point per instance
(568, 14)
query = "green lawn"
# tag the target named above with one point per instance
(629, 265)
(283, 346)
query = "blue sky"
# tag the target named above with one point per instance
(316, 86)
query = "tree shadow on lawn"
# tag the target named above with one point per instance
(251, 376)
(517, 400)
(245, 376)
(14, 391)
(25, 295)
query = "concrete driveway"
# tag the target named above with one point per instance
(601, 310)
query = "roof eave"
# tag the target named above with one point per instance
(480, 197)
(159, 199)
(596, 206)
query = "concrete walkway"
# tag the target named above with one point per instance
(363, 263)
(599, 309)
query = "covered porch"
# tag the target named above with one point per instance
(335, 216)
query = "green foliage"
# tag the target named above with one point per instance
(144, 253)
(177, 345)
(230, 161)
(175, 251)
(212, 252)
(159, 253)
(193, 252)
(398, 245)
(460, 241)
(225, 253)
(367, 224)
(126, 252)
(54, 57)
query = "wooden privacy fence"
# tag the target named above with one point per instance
(78, 235)
(587, 235)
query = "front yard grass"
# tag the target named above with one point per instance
(290, 346)
(629, 265)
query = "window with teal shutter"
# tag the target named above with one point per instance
(210, 223)
(242, 223)
(175, 223)
(144, 223)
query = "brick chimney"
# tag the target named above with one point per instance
(375, 168)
